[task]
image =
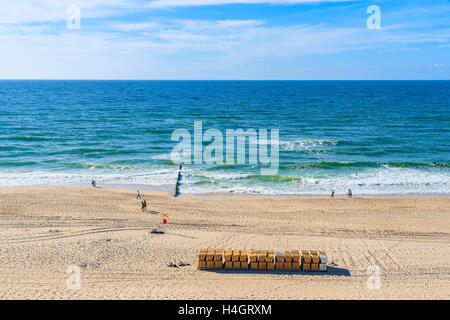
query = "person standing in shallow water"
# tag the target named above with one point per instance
(332, 193)
(349, 193)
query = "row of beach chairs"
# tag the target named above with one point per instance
(306, 260)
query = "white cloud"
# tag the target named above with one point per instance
(183, 48)
(30, 11)
(210, 40)
(183, 3)
(256, 38)
(141, 26)
(238, 23)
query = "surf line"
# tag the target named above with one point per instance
(176, 192)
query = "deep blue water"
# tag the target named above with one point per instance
(376, 137)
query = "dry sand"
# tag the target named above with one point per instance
(45, 230)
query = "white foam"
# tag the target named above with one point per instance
(379, 181)
(163, 156)
(306, 144)
(43, 178)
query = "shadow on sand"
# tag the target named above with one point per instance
(182, 235)
(331, 271)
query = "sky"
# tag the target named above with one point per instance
(224, 39)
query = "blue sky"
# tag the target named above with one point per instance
(224, 39)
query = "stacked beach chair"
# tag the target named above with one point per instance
(313, 260)
(306, 260)
(210, 259)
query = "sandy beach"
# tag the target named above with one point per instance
(44, 230)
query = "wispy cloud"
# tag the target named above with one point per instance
(113, 42)
(27, 11)
(184, 3)
(243, 38)
(139, 26)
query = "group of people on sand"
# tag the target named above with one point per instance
(143, 202)
(138, 196)
(349, 193)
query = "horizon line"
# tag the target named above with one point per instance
(67, 79)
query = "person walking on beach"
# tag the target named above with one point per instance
(349, 193)
(332, 194)
(138, 196)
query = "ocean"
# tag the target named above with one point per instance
(375, 137)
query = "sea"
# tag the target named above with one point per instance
(374, 137)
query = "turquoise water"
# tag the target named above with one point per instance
(383, 137)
